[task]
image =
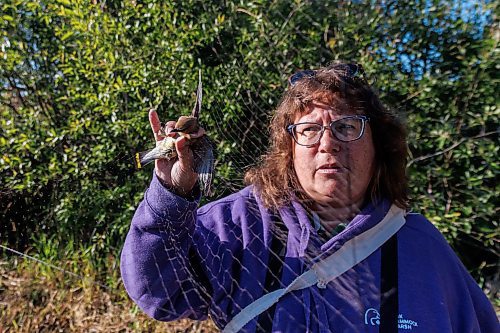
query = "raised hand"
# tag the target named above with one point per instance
(177, 173)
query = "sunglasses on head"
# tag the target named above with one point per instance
(346, 71)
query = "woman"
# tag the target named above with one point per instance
(264, 259)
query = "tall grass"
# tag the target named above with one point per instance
(41, 297)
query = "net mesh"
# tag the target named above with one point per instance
(219, 265)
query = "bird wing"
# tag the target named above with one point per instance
(199, 94)
(204, 161)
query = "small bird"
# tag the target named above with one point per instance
(202, 147)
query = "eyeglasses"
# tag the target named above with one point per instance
(346, 129)
(347, 71)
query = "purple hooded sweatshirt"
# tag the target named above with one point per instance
(181, 261)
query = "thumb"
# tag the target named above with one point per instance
(184, 154)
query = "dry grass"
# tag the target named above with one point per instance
(31, 302)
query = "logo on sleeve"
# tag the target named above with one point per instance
(372, 318)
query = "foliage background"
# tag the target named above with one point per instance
(78, 77)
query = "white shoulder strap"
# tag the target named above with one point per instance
(350, 254)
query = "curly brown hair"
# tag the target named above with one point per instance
(275, 179)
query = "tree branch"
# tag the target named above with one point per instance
(453, 146)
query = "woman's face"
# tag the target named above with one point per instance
(333, 172)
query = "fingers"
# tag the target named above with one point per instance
(184, 154)
(156, 126)
(185, 176)
(177, 172)
(169, 126)
(154, 121)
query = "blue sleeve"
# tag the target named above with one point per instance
(155, 259)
